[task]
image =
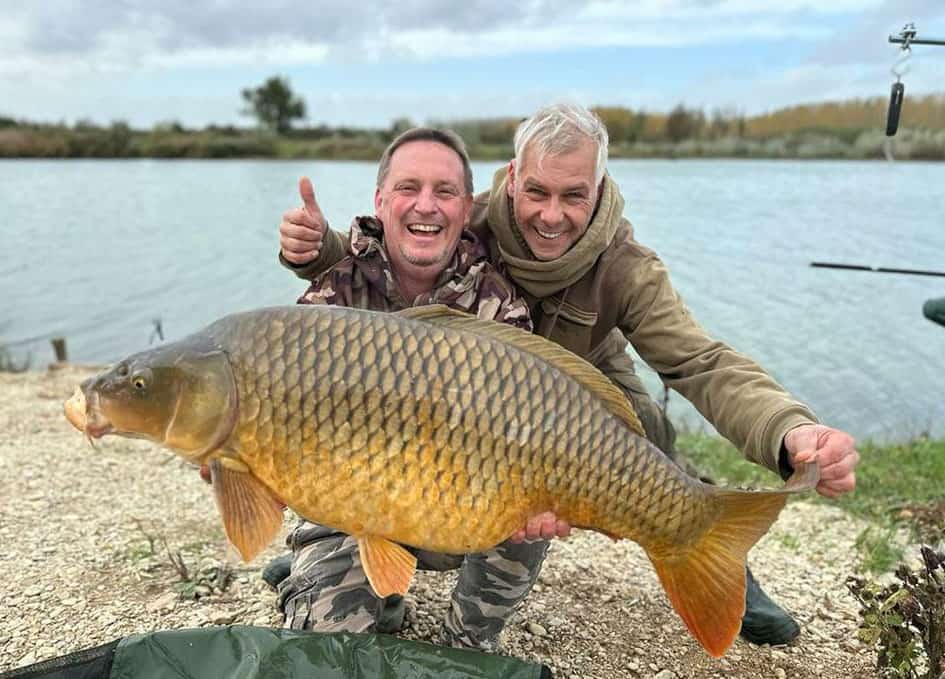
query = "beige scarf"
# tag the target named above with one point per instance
(544, 279)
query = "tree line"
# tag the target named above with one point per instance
(847, 129)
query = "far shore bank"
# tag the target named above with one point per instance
(121, 143)
(850, 129)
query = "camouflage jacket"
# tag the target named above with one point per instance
(365, 279)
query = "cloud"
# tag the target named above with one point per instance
(95, 35)
(56, 26)
(144, 58)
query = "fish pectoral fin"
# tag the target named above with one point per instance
(388, 566)
(706, 581)
(252, 516)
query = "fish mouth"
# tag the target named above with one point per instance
(85, 415)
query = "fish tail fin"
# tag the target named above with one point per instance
(706, 581)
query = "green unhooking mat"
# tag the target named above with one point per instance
(244, 652)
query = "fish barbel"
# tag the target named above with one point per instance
(432, 429)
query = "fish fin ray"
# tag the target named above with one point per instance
(388, 566)
(252, 516)
(806, 476)
(706, 582)
(576, 367)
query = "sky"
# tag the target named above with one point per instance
(367, 63)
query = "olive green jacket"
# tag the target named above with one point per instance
(614, 282)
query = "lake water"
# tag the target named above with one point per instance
(95, 250)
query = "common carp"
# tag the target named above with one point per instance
(433, 429)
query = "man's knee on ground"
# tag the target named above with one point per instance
(350, 611)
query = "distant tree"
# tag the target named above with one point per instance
(639, 126)
(400, 125)
(119, 138)
(719, 125)
(468, 130)
(274, 105)
(169, 126)
(682, 123)
(618, 121)
(498, 131)
(654, 126)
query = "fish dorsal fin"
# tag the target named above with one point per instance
(569, 363)
(388, 566)
(252, 516)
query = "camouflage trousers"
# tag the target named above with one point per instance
(328, 591)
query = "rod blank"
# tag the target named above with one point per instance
(876, 269)
(916, 41)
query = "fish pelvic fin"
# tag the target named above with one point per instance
(705, 581)
(388, 566)
(252, 516)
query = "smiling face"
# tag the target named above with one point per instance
(423, 206)
(554, 198)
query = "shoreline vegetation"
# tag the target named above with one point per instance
(851, 130)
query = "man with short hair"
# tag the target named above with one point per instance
(553, 220)
(413, 251)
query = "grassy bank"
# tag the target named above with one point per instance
(851, 130)
(899, 487)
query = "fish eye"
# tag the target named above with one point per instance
(141, 379)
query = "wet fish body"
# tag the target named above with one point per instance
(432, 429)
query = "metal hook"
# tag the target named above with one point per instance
(895, 70)
(906, 35)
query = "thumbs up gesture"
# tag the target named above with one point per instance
(302, 229)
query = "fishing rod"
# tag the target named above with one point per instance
(933, 309)
(876, 269)
(907, 38)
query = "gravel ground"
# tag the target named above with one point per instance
(87, 536)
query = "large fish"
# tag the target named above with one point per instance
(433, 429)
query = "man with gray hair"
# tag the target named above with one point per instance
(554, 220)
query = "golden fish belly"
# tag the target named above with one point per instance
(440, 439)
(413, 491)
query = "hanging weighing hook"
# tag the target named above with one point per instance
(899, 69)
